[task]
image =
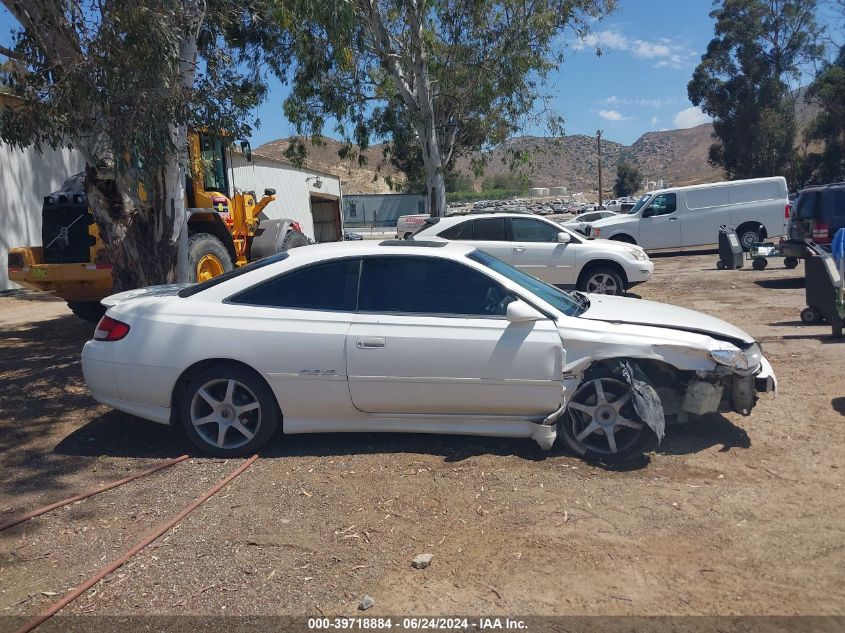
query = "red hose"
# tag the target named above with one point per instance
(90, 493)
(105, 571)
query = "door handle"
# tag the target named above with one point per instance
(370, 343)
(672, 219)
(519, 249)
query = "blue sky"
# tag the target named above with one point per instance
(638, 84)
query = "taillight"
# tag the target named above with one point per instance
(821, 232)
(109, 329)
(594, 232)
(787, 211)
(296, 226)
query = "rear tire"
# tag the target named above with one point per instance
(91, 311)
(721, 265)
(294, 239)
(759, 264)
(227, 410)
(749, 237)
(790, 262)
(207, 257)
(601, 280)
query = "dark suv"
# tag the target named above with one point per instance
(818, 213)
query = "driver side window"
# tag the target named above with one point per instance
(664, 204)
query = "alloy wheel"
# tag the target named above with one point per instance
(225, 413)
(601, 414)
(602, 284)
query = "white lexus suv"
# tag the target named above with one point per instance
(546, 250)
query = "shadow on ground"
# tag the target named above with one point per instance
(42, 389)
(117, 434)
(785, 283)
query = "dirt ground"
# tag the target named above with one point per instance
(732, 515)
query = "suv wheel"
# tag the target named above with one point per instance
(602, 281)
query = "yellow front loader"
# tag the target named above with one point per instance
(223, 232)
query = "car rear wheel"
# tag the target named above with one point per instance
(602, 281)
(601, 424)
(228, 411)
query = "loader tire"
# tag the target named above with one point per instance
(91, 311)
(208, 257)
(294, 239)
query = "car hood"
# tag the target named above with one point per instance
(164, 290)
(639, 312)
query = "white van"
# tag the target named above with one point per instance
(691, 216)
(407, 225)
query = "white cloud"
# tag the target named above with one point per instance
(611, 115)
(648, 103)
(666, 52)
(690, 117)
(654, 121)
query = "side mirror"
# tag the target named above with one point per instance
(247, 151)
(269, 192)
(563, 237)
(521, 312)
(647, 213)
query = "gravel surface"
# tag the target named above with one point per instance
(731, 515)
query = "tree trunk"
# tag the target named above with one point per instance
(435, 181)
(138, 239)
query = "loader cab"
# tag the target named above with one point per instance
(208, 176)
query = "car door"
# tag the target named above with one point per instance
(660, 225)
(439, 344)
(537, 251)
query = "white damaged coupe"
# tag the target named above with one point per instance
(421, 337)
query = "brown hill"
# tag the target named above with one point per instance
(676, 156)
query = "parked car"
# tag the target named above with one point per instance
(581, 223)
(691, 216)
(547, 250)
(323, 339)
(407, 225)
(349, 235)
(818, 213)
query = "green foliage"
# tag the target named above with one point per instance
(109, 74)
(628, 179)
(435, 80)
(511, 181)
(828, 90)
(490, 194)
(743, 82)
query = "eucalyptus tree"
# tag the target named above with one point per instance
(122, 81)
(434, 78)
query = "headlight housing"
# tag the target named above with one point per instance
(637, 253)
(741, 359)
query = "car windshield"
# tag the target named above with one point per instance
(568, 304)
(640, 203)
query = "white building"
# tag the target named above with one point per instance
(310, 197)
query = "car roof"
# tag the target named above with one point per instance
(329, 250)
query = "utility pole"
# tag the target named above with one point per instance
(598, 143)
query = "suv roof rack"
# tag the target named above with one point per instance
(413, 243)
